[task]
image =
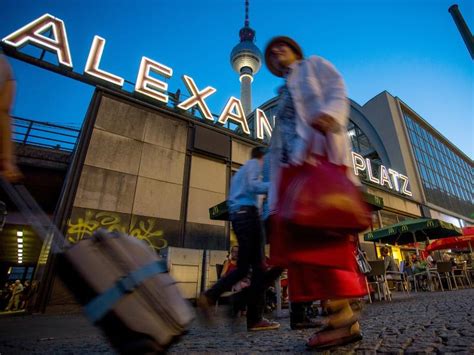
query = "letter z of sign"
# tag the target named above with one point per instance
(405, 185)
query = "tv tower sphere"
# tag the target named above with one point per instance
(246, 59)
(246, 55)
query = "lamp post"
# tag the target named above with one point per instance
(463, 28)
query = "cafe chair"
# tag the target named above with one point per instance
(398, 278)
(378, 278)
(461, 278)
(444, 270)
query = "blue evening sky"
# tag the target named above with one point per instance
(411, 48)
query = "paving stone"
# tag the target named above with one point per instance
(420, 323)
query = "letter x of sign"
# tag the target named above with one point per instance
(197, 98)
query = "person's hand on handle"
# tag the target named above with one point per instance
(9, 171)
(325, 124)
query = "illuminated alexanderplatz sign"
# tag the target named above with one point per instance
(156, 89)
(150, 86)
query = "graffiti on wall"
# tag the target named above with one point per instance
(83, 225)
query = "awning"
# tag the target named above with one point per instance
(413, 230)
(220, 211)
(465, 241)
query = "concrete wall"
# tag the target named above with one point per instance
(207, 188)
(132, 179)
(240, 152)
(135, 177)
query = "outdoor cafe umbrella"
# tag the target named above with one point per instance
(463, 242)
(412, 231)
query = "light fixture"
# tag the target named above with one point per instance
(20, 246)
(19, 233)
(20, 250)
(20, 262)
(20, 240)
(20, 253)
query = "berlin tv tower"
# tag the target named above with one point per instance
(246, 59)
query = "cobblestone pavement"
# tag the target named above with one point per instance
(418, 323)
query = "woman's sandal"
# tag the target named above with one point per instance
(334, 337)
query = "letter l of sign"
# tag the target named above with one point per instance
(93, 61)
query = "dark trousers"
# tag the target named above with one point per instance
(248, 229)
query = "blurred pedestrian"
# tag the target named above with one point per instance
(245, 187)
(5, 295)
(8, 168)
(15, 298)
(25, 295)
(298, 310)
(312, 118)
(389, 262)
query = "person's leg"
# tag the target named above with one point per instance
(341, 327)
(256, 292)
(242, 227)
(299, 318)
(16, 302)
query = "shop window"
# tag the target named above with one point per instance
(375, 220)
(29, 273)
(388, 218)
(16, 273)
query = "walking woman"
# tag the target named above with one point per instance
(312, 118)
(8, 168)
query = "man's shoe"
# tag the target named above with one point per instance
(264, 324)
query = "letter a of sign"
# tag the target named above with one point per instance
(197, 98)
(32, 33)
(234, 111)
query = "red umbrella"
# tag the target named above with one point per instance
(462, 242)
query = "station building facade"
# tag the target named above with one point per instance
(154, 172)
(152, 168)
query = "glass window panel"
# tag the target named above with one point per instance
(29, 273)
(375, 220)
(423, 172)
(16, 273)
(388, 218)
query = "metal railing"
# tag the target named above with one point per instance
(44, 134)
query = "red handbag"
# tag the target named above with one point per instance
(321, 196)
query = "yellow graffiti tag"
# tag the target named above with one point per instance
(142, 229)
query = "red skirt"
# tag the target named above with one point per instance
(321, 265)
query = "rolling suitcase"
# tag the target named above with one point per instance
(121, 282)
